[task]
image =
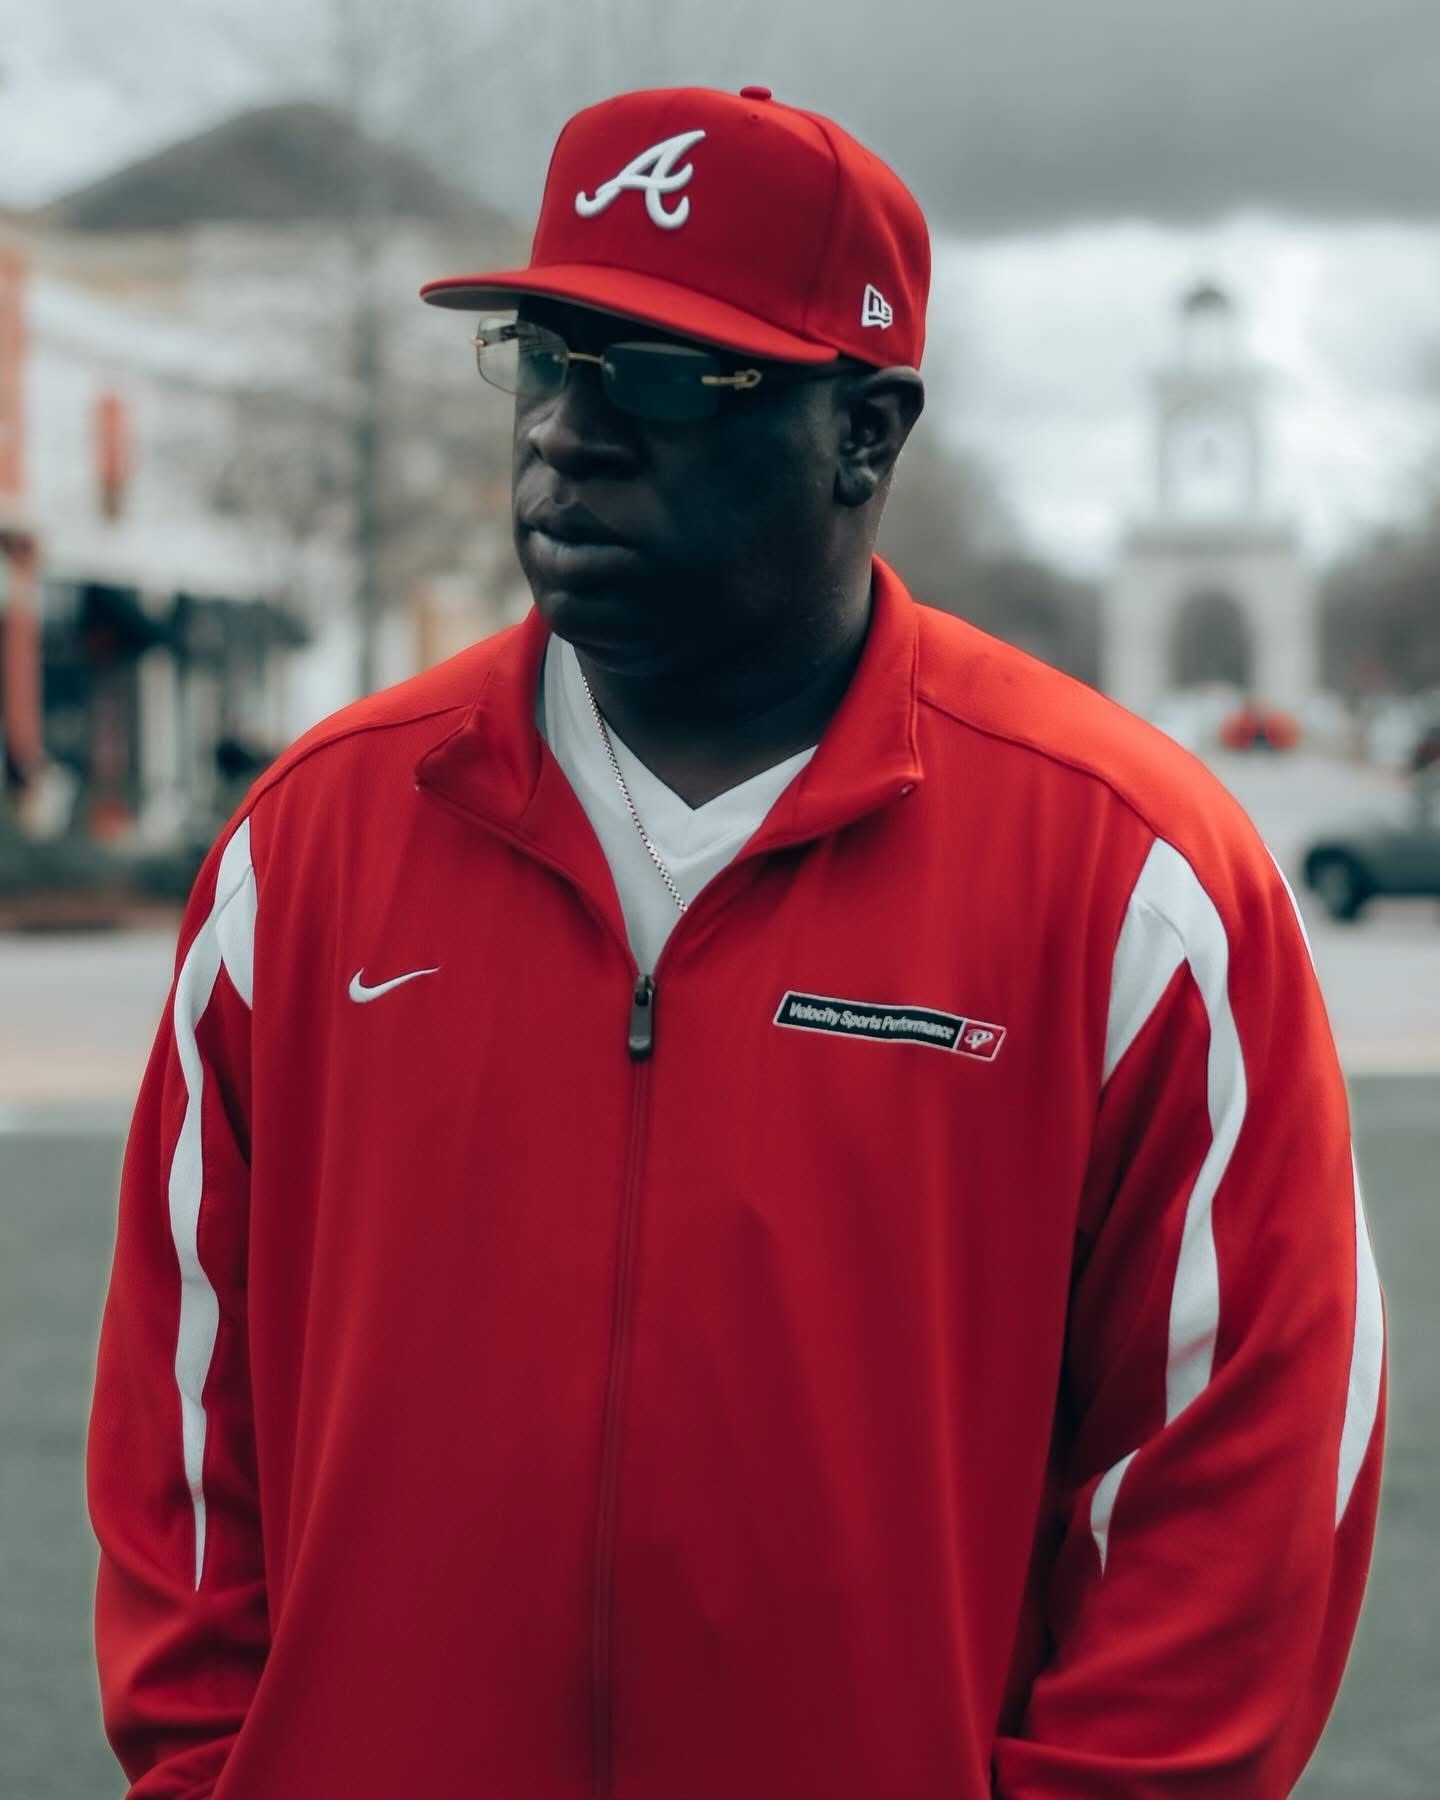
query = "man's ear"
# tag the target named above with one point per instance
(879, 407)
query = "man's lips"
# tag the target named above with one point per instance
(573, 525)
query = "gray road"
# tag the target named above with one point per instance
(56, 1211)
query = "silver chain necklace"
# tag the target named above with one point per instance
(665, 874)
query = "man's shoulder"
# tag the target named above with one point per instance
(397, 720)
(1060, 729)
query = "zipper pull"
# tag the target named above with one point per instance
(641, 1040)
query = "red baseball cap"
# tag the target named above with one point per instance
(728, 218)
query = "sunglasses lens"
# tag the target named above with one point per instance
(519, 358)
(661, 381)
(542, 363)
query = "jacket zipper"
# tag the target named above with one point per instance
(639, 1043)
(641, 1039)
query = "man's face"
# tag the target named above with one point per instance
(720, 527)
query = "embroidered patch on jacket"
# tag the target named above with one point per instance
(889, 1024)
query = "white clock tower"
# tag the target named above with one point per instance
(1211, 586)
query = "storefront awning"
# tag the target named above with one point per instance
(210, 627)
(113, 626)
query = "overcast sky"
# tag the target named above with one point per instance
(1079, 160)
(1002, 116)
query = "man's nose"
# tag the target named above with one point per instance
(578, 432)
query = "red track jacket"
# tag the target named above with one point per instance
(924, 1347)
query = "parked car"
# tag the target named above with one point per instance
(1353, 864)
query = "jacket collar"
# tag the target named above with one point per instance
(496, 766)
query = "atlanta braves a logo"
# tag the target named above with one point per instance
(654, 174)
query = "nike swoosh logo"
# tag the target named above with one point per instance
(358, 990)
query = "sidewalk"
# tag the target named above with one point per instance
(78, 1011)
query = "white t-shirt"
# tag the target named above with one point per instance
(694, 842)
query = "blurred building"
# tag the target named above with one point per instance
(19, 650)
(1212, 586)
(240, 464)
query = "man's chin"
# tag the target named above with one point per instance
(609, 625)
(615, 636)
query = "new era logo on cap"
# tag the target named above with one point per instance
(876, 309)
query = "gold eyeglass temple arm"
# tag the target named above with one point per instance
(742, 379)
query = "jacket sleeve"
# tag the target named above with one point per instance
(180, 1605)
(1218, 1438)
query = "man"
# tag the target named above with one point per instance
(744, 1194)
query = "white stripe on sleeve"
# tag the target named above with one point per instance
(1367, 1348)
(1171, 918)
(227, 937)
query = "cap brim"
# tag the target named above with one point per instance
(674, 308)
